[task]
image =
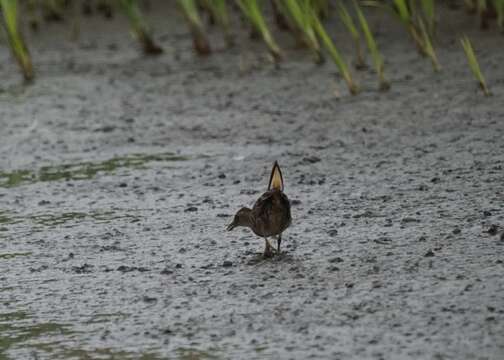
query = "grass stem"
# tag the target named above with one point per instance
(429, 49)
(17, 44)
(373, 48)
(298, 12)
(335, 54)
(251, 10)
(347, 20)
(219, 11)
(200, 40)
(140, 28)
(473, 64)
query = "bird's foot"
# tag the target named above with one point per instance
(269, 253)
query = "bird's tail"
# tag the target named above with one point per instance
(276, 179)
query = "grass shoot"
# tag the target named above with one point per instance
(18, 47)
(298, 12)
(251, 10)
(335, 54)
(321, 8)
(429, 49)
(139, 27)
(405, 12)
(301, 17)
(428, 9)
(499, 9)
(473, 64)
(280, 20)
(200, 40)
(347, 20)
(373, 48)
(219, 12)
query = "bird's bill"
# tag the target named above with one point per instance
(231, 226)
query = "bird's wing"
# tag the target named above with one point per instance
(271, 213)
(262, 212)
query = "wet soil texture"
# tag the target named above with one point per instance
(119, 174)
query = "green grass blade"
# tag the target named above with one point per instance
(299, 14)
(279, 15)
(473, 64)
(139, 27)
(251, 10)
(20, 51)
(347, 20)
(335, 55)
(295, 12)
(219, 11)
(429, 49)
(321, 8)
(373, 48)
(200, 40)
(402, 9)
(428, 9)
(482, 6)
(499, 8)
(191, 11)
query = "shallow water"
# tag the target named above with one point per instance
(82, 170)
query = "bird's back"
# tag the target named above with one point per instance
(271, 213)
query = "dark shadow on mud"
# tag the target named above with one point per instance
(259, 259)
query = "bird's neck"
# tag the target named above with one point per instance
(247, 219)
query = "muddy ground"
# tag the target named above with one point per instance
(119, 174)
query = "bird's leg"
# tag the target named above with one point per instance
(272, 248)
(268, 250)
(279, 241)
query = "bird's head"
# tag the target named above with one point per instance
(242, 218)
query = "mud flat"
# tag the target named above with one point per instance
(119, 174)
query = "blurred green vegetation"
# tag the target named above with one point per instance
(306, 20)
(82, 170)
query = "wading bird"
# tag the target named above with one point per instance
(270, 215)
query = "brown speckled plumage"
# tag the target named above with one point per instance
(270, 215)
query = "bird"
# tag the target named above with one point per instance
(270, 215)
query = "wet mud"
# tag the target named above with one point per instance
(119, 174)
